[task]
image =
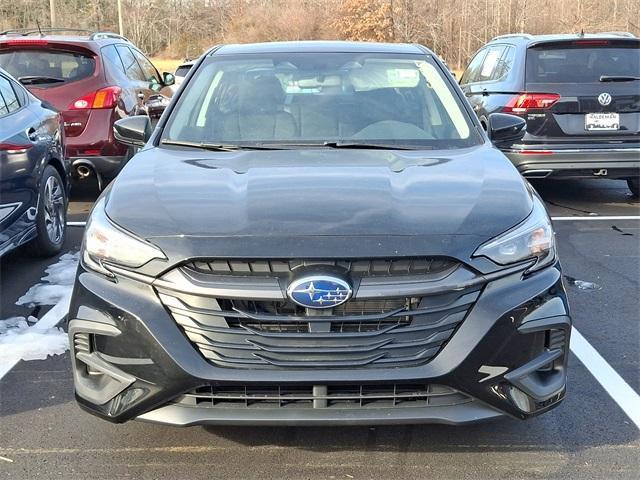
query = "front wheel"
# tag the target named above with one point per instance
(634, 186)
(51, 218)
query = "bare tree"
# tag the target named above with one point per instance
(454, 29)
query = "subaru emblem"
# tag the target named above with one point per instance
(319, 291)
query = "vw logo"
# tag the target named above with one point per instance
(319, 291)
(604, 99)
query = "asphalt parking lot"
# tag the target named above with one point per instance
(593, 434)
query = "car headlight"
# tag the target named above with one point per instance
(531, 239)
(106, 243)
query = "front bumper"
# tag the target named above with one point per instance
(543, 161)
(508, 357)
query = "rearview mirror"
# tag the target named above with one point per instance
(168, 79)
(505, 129)
(134, 131)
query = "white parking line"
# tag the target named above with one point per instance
(76, 224)
(597, 217)
(49, 320)
(619, 390)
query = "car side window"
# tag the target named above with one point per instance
(131, 67)
(3, 107)
(490, 63)
(150, 72)
(503, 67)
(9, 100)
(472, 71)
(111, 58)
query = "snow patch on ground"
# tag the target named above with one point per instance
(26, 339)
(57, 282)
(20, 341)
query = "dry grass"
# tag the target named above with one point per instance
(166, 64)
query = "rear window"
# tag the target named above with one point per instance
(47, 67)
(579, 64)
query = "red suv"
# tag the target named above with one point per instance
(93, 79)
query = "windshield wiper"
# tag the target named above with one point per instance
(367, 146)
(618, 78)
(35, 79)
(217, 147)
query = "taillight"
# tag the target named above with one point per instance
(103, 98)
(15, 147)
(527, 101)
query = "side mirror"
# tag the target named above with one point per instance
(168, 78)
(505, 129)
(134, 131)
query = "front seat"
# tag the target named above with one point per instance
(260, 114)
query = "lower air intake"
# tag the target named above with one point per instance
(322, 396)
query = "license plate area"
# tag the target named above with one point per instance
(597, 122)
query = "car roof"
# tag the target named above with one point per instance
(319, 47)
(85, 38)
(527, 39)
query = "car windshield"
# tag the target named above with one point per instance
(321, 98)
(46, 66)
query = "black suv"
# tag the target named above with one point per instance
(315, 233)
(580, 96)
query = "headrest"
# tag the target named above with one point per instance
(261, 93)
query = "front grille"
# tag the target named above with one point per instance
(357, 267)
(322, 396)
(246, 322)
(354, 307)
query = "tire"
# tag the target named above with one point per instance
(51, 218)
(634, 186)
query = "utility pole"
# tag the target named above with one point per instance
(120, 26)
(52, 10)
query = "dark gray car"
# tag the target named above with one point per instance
(34, 174)
(580, 96)
(319, 233)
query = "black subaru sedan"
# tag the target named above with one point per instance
(319, 233)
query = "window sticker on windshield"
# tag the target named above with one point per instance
(402, 77)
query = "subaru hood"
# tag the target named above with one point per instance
(318, 192)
